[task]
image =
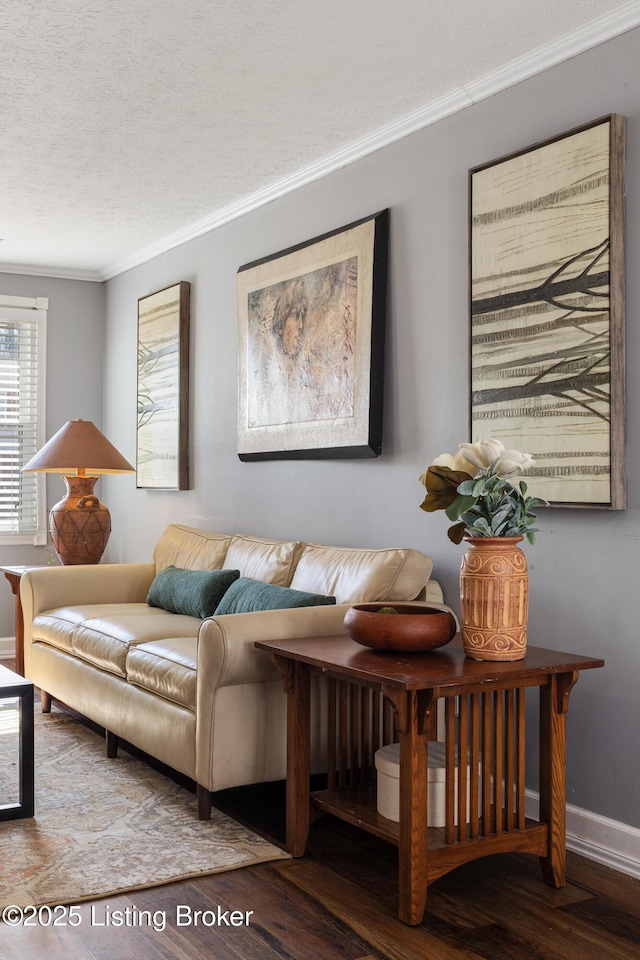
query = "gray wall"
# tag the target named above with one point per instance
(584, 568)
(75, 349)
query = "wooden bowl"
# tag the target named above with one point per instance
(412, 628)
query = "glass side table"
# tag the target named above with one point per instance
(15, 687)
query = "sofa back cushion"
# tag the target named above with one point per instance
(272, 561)
(361, 575)
(190, 549)
(246, 596)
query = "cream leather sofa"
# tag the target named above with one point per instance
(196, 694)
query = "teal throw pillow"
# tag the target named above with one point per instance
(247, 596)
(196, 593)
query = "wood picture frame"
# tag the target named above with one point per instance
(162, 456)
(547, 304)
(311, 347)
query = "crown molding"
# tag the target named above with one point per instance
(619, 21)
(599, 30)
(59, 273)
(443, 107)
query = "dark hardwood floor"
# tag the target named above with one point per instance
(339, 903)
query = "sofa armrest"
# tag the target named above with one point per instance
(49, 587)
(227, 655)
(240, 696)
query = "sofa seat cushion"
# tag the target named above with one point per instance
(167, 668)
(101, 634)
(359, 575)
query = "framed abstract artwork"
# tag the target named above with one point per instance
(163, 389)
(311, 347)
(547, 311)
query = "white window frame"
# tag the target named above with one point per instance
(20, 309)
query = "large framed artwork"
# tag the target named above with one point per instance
(547, 311)
(163, 389)
(311, 347)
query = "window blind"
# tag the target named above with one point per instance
(22, 333)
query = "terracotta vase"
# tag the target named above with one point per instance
(79, 524)
(494, 598)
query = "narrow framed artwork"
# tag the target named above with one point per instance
(547, 311)
(311, 347)
(163, 389)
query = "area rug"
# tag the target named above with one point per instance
(105, 826)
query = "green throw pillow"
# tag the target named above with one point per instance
(247, 595)
(196, 593)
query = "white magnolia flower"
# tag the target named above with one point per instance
(491, 453)
(454, 462)
(457, 461)
(513, 462)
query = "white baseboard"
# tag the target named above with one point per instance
(610, 842)
(7, 648)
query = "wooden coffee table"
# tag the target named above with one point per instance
(376, 698)
(13, 686)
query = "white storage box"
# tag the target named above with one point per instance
(387, 761)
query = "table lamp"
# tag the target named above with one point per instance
(79, 524)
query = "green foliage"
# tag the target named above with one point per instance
(490, 506)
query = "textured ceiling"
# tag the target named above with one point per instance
(129, 125)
